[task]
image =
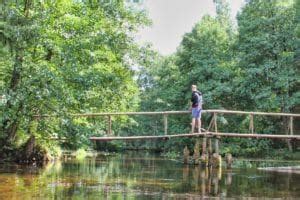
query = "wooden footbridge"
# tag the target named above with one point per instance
(211, 131)
(205, 132)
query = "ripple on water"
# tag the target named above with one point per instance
(135, 177)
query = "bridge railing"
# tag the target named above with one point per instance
(165, 114)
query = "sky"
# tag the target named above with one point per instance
(171, 19)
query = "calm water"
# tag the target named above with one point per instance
(142, 176)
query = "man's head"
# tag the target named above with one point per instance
(194, 88)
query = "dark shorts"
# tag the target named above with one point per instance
(196, 112)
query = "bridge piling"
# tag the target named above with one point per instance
(218, 159)
(204, 151)
(196, 155)
(228, 159)
(186, 155)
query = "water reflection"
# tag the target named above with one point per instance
(140, 176)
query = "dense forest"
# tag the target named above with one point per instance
(68, 56)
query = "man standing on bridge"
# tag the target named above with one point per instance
(196, 108)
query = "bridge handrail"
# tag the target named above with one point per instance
(175, 112)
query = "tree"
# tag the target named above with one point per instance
(205, 61)
(266, 46)
(204, 58)
(65, 57)
(251, 68)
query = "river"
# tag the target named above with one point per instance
(143, 176)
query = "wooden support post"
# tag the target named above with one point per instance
(203, 182)
(251, 124)
(291, 132)
(215, 181)
(229, 160)
(186, 155)
(215, 122)
(185, 173)
(166, 124)
(196, 175)
(210, 123)
(210, 151)
(216, 159)
(217, 138)
(209, 180)
(217, 146)
(204, 157)
(291, 126)
(196, 155)
(228, 180)
(109, 125)
(204, 145)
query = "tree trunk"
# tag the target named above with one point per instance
(29, 147)
(10, 123)
(28, 4)
(10, 126)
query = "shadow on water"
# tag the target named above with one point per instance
(142, 176)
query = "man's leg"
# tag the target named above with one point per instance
(199, 120)
(193, 124)
(199, 124)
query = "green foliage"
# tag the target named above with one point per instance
(266, 45)
(253, 67)
(65, 57)
(80, 154)
(69, 56)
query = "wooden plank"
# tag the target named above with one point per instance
(207, 134)
(146, 137)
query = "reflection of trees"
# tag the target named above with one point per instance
(25, 182)
(136, 176)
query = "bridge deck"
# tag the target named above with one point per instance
(203, 134)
